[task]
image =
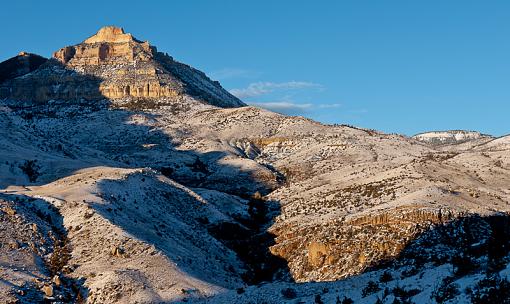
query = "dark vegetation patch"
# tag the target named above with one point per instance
(31, 169)
(250, 240)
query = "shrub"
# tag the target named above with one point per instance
(464, 265)
(491, 290)
(404, 294)
(289, 293)
(167, 171)
(31, 170)
(318, 299)
(446, 291)
(386, 277)
(410, 272)
(371, 288)
(199, 166)
(345, 300)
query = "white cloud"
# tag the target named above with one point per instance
(261, 88)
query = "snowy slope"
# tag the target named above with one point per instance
(176, 199)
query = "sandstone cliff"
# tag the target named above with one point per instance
(112, 64)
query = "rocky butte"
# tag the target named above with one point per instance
(113, 64)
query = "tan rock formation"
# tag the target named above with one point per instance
(137, 73)
(342, 248)
(113, 64)
(109, 45)
(317, 252)
(110, 34)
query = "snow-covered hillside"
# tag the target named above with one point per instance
(175, 199)
(451, 137)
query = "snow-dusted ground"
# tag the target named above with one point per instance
(165, 200)
(452, 137)
(137, 235)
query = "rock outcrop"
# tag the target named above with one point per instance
(112, 64)
(450, 137)
(110, 34)
(339, 248)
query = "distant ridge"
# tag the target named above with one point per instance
(450, 136)
(20, 65)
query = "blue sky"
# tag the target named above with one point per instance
(396, 66)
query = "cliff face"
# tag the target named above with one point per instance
(112, 64)
(341, 248)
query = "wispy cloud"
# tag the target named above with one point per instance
(229, 73)
(261, 88)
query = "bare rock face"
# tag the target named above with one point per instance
(109, 45)
(112, 64)
(110, 34)
(339, 249)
